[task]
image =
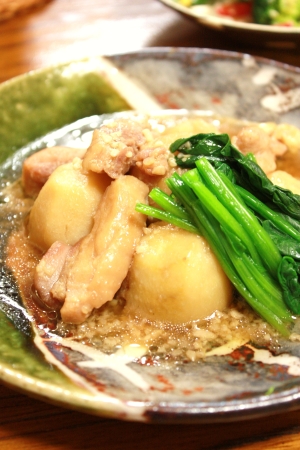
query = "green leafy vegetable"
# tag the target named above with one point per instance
(251, 224)
(286, 245)
(289, 271)
(287, 225)
(218, 149)
(276, 12)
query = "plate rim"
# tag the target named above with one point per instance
(279, 400)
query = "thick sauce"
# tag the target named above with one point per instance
(110, 327)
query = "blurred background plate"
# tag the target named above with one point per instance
(271, 35)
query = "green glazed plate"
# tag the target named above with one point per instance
(66, 102)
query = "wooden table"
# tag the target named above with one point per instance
(69, 29)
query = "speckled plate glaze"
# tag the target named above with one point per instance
(39, 109)
(271, 35)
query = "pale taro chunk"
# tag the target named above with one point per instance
(64, 209)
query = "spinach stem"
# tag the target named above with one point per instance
(166, 217)
(267, 213)
(224, 190)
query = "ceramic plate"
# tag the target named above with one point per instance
(62, 105)
(247, 31)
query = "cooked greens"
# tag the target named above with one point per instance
(251, 224)
(277, 12)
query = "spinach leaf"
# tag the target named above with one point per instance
(288, 273)
(217, 148)
(285, 244)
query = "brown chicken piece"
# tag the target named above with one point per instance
(96, 267)
(119, 146)
(253, 139)
(48, 271)
(153, 160)
(39, 166)
(114, 147)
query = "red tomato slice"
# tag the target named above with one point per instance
(235, 10)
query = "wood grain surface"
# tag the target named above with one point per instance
(62, 30)
(69, 29)
(29, 424)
